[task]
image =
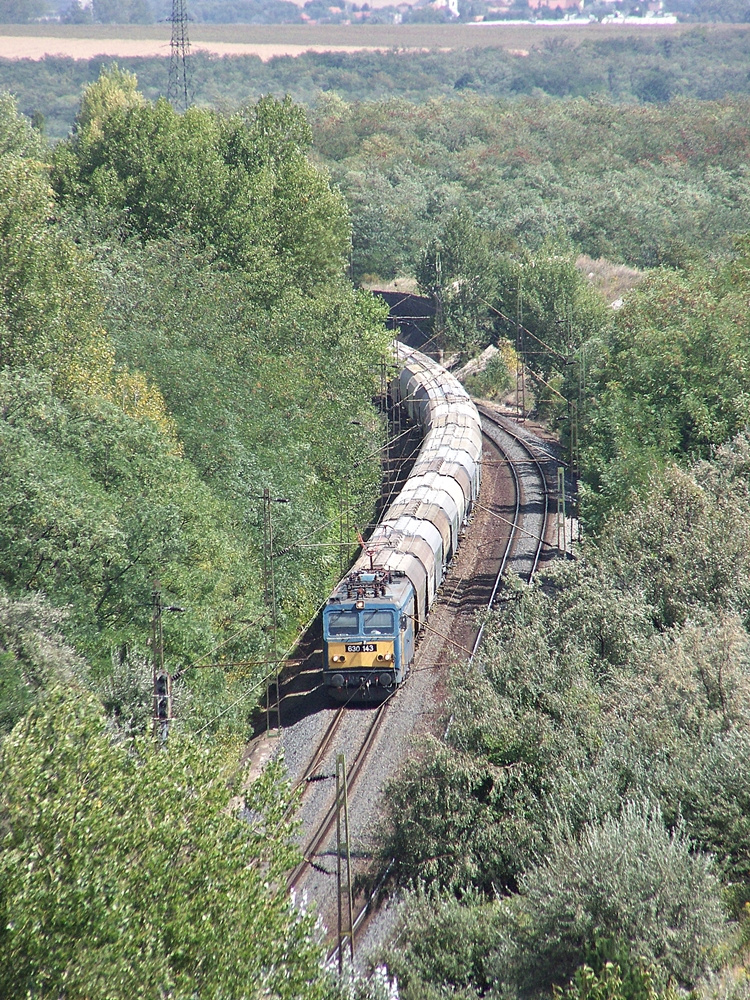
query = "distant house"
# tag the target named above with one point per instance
(450, 5)
(556, 4)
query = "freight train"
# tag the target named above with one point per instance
(372, 619)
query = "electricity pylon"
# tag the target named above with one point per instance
(179, 50)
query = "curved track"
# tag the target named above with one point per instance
(520, 524)
(532, 490)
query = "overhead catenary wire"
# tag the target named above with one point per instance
(548, 347)
(440, 635)
(507, 520)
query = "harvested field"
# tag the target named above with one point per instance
(122, 48)
(86, 41)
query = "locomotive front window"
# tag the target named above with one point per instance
(343, 623)
(378, 623)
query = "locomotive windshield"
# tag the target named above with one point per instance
(343, 623)
(378, 622)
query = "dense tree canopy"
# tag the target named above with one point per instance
(176, 335)
(125, 870)
(589, 694)
(629, 183)
(175, 340)
(241, 185)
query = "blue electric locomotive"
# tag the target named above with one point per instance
(368, 634)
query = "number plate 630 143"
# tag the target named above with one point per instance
(361, 647)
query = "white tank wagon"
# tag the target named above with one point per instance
(374, 615)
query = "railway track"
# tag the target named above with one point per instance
(318, 839)
(525, 538)
(508, 530)
(533, 492)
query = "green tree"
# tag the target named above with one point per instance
(665, 382)
(443, 948)
(48, 313)
(682, 543)
(21, 11)
(558, 310)
(96, 505)
(119, 12)
(33, 656)
(115, 89)
(127, 870)
(241, 185)
(17, 137)
(609, 983)
(254, 394)
(626, 878)
(457, 269)
(714, 10)
(715, 801)
(457, 821)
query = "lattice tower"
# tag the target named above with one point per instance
(178, 91)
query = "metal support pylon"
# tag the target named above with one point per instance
(562, 543)
(178, 91)
(343, 864)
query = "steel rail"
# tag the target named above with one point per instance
(509, 546)
(500, 422)
(322, 749)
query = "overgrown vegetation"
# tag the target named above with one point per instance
(581, 830)
(592, 775)
(163, 367)
(640, 66)
(589, 793)
(176, 336)
(643, 185)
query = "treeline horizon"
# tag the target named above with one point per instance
(699, 64)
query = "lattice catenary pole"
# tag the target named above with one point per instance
(343, 864)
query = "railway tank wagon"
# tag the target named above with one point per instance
(372, 618)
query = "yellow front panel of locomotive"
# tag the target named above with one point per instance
(350, 655)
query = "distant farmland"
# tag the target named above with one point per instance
(87, 41)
